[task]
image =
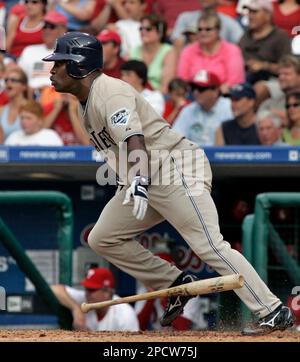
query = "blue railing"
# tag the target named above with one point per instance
(79, 154)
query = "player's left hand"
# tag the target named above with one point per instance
(139, 191)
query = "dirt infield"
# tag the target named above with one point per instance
(165, 336)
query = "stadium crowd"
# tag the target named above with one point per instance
(221, 72)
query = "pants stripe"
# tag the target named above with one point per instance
(211, 242)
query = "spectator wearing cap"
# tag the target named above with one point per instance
(78, 12)
(241, 130)
(199, 120)
(230, 29)
(99, 286)
(269, 128)
(134, 72)
(112, 60)
(263, 44)
(212, 53)
(37, 71)
(27, 29)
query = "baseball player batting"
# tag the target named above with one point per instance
(119, 120)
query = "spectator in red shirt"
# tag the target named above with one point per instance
(111, 42)
(3, 95)
(286, 15)
(28, 29)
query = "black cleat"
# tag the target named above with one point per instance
(279, 320)
(176, 304)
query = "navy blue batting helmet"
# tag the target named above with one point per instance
(83, 53)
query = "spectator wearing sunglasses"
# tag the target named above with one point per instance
(230, 29)
(199, 120)
(291, 134)
(212, 53)
(16, 90)
(37, 71)
(26, 29)
(112, 60)
(159, 56)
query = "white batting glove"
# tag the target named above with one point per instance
(139, 191)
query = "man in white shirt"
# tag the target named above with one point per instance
(99, 286)
(37, 71)
(134, 72)
(32, 132)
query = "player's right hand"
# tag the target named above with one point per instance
(139, 191)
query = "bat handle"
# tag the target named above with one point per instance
(84, 307)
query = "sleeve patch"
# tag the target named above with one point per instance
(120, 117)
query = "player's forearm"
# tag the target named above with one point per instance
(137, 155)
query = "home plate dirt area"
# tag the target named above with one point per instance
(162, 336)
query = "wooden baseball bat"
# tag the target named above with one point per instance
(205, 286)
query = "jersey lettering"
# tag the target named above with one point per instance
(102, 140)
